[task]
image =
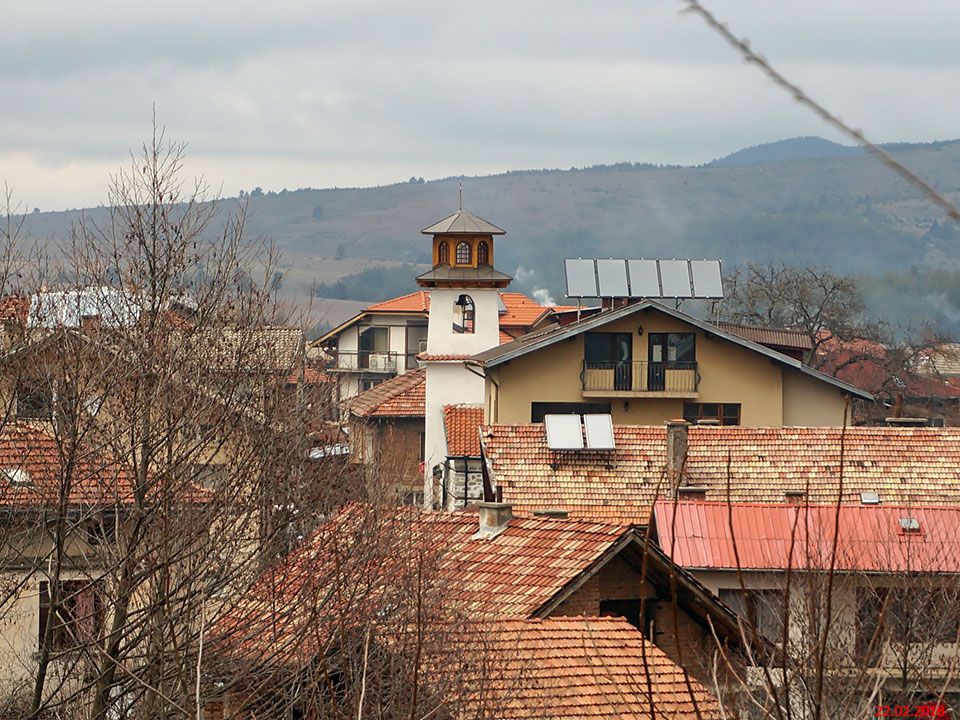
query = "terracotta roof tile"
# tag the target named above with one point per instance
(402, 396)
(904, 465)
(415, 302)
(462, 424)
(573, 667)
(522, 311)
(14, 307)
(775, 337)
(441, 357)
(510, 575)
(778, 536)
(32, 473)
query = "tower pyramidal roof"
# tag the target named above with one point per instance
(463, 223)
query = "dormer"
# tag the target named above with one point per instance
(463, 253)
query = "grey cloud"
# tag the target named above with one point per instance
(432, 84)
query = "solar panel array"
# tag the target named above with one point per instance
(565, 432)
(612, 278)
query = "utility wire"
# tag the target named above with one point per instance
(742, 46)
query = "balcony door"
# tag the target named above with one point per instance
(611, 351)
(373, 341)
(668, 351)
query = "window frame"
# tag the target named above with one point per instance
(483, 253)
(725, 412)
(443, 253)
(463, 244)
(62, 638)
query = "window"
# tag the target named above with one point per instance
(673, 348)
(443, 253)
(464, 253)
(764, 610)
(367, 383)
(102, 530)
(483, 253)
(34, 400)
(724, 413)
(539, 409)
(464, 315)
(374, 344)
(77, 618)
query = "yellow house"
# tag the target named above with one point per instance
(646, 363)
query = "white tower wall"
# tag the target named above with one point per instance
(449, 382)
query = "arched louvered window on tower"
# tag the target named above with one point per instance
(464, 314)
(443, 253)
(464, 253)
(483, 253)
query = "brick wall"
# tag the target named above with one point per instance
(617, 580)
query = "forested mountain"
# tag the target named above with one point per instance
(799, 148)
(843, 211)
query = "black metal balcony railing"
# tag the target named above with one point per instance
(641, 377)
(366, 361)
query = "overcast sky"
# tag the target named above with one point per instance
(303, 93)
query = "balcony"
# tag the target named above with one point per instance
(641, 379)
(366, 361)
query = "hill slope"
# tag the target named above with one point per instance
(798, 148)
(847, 213)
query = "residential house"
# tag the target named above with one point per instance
(387, 434)
(908, 466)
(62, 507)
(493, 567)
(889, 573)
(645, 363)
(571, 667)
(384, 340)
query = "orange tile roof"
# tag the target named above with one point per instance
(521, 310)
(292, 603)
(756, 536)
(402, 396)
(415, 302)
(904, 465)
(14, 307)
(574, 667)
(442, 357)
(32, 473)
(462, 424)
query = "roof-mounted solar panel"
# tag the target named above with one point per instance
(599, 429)
(707, 280)
(644, 279)
(612, 277)
(675, 278)
(618, 278)
(563, 432)
(581, 277)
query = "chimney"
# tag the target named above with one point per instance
(494, 517)
(552, 513)
(676, 449)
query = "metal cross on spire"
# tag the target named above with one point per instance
(461, 196)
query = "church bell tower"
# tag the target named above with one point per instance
(464, 320)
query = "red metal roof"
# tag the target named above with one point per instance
(754, 536)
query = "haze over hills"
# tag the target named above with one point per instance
(805, 201)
